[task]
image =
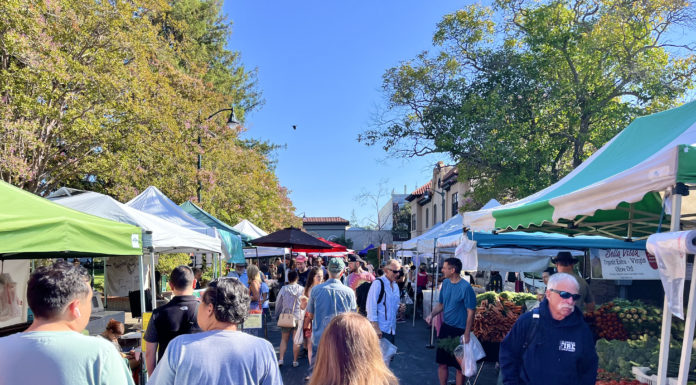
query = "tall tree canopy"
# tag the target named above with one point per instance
(521, 93)
(112, 96)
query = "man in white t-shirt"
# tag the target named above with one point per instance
(53, 350)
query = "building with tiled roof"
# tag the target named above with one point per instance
(326, 227)
(437, 200)
(324, 221)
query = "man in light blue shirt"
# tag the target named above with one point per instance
(329, 299)
(383, 301)
(240, 273)
(457, 304)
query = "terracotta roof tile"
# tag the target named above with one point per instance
(419, 191)
(324, 221)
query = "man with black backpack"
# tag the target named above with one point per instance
(552, 344)
(383, 301)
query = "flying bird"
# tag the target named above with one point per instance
(294, 127)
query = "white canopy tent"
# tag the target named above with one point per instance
(167, 237)
(249, 229)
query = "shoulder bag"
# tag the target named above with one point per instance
(287, 320)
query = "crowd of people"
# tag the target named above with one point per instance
(337, 313)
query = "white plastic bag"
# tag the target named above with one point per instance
(388, 350)
(670, 251)
(298, 337)
(468, 354)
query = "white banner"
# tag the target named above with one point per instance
(14, 275)
(623, 264)
(122, 275)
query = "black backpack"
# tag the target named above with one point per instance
(361, 293)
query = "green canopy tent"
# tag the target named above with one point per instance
(32, 227)
(616, 193)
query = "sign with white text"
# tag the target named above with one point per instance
(623, 264)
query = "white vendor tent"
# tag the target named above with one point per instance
(167, 237)
(152, 201)
(249, 229)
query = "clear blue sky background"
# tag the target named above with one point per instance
(320, 67)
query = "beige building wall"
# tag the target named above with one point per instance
(430, 214)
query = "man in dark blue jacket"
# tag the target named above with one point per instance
(559, 349)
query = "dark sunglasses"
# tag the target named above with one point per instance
(566, 295)
(395, 271)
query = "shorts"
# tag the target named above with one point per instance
(442, 356)
(287, 330)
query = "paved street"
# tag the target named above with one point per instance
(413, 364)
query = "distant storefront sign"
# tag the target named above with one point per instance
(623, 264)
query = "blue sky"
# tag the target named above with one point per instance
(320, 67)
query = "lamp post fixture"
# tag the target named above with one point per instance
(232, 122)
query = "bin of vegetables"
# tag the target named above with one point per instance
(622, 319)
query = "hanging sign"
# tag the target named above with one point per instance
(623, 264)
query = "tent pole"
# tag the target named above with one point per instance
(436, 258)
(142, 288)
(285, 271)
(105, 304)
(152, 280)
(666, 313)
(415, 296)
(685, 361)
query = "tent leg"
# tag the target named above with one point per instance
(415, 297)
(142, 288)
(666, 313)
(432, 296)
(685, 361)
(105, 296)
(153, 284)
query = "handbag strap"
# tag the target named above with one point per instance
(294, 303)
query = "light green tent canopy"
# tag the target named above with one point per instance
(615, 192)
(34, 227)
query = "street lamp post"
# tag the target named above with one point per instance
(232, 122)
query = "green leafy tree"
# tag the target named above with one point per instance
(112, 96)
(521, 93)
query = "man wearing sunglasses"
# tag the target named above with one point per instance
(383, 301)
(551, 345)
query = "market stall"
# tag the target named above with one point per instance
(617, 192)
(152, 201)
(167, 237)
(233, 241)
(32, 227)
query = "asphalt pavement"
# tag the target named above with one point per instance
(413, 364)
